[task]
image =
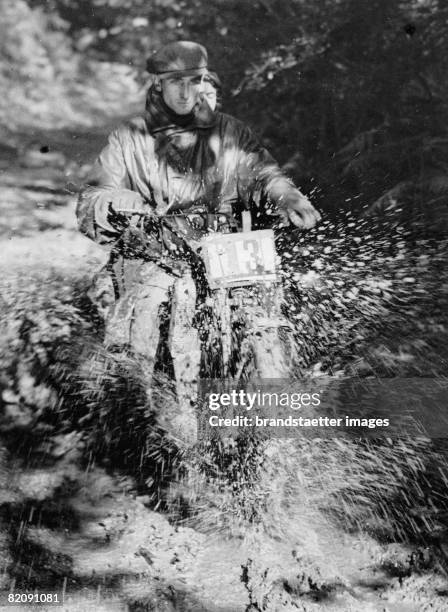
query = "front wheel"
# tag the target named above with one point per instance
(261, 338)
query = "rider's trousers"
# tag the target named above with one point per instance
(146, 292)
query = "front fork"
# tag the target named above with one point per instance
(250, 319)
(241, 330)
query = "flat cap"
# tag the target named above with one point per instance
(183, 57)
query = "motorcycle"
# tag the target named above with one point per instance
(228, 289)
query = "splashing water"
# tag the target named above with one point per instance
(365, 298)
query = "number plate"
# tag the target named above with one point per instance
(239, 259)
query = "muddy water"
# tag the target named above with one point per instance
(91, 531)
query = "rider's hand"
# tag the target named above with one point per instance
(126, 208)
(127, 202)
(298, 210)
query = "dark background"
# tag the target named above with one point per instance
(350, 94)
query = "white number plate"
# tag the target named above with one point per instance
(239, 259)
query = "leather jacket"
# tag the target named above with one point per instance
(213, 160)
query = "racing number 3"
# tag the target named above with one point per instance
(251, 255)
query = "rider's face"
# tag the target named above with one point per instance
(181, 92)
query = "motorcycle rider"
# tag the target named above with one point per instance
(179, 154)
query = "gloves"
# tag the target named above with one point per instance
(125, 201)
(115, 209)
(298, 210)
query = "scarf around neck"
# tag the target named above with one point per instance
(160, 117)
(182, 141)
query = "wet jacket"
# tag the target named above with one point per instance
(213, 159)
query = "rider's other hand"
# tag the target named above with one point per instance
(299, 211)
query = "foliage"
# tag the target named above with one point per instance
(46, 83)
(42, 321)
(351, 93)
(365, 101)
(57, 381)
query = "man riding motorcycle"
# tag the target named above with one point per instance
(179, 155)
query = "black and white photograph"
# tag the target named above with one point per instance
(223, 305)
